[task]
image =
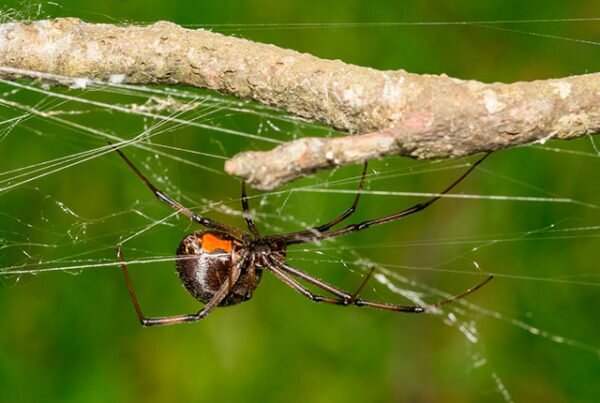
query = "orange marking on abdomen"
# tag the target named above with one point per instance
(210, 243)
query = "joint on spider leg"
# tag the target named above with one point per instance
(411, 309)
(145, 322)
(162, 197)
(346, 300)
(421, 206)
(362, 225)
(199, 219)
(358, 302)
(196, 317)
(315, 298)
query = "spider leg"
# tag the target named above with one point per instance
(347, 213)
(349, 210)
(282, 267)
(293, 283)
(285, 272)
(193, 317)
(363, 283)
(207, 222)
(310, 236)
(246, 212)
(323, 284)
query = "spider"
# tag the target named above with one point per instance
(223, 265)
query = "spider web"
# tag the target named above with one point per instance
(53, 143)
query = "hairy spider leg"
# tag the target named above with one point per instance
(207, 222)
(284, 273)
(193, 317)
(310, 236)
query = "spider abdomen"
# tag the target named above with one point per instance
(204, 262)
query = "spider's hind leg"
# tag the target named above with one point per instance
(192, 317)
(285, 273)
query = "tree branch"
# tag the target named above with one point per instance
(421, 116)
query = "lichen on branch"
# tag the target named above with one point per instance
(386, 112)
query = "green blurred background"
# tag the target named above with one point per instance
(75, 337)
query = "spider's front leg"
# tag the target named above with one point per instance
(166, 199)
(310, 236)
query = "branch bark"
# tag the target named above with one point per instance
(393, 112)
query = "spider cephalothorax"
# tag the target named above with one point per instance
(223, 265)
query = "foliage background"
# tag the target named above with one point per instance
(75, 338)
